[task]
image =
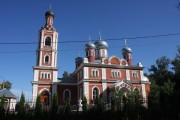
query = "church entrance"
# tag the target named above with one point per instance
(45, 98)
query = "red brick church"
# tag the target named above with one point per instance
(96, 75)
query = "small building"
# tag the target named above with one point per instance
(10, 99)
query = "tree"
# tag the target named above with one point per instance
(100, 106)
(154, 101)
(84, 105)
(166, 99)
(21, 109)
(54, 108)
(6, 85)
(38, 106)
(160, 72)
(2, 107)
(67, 107)
(176, 68)
(117, 99)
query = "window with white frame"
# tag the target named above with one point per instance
(95, 93)
(45, 75)
(95, 73)
(115, 73)
(135, 74)
(48, 41)
(66, 95)
(46, 59)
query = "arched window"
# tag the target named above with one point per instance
(45, 76)
(135, 74)
(46, 59)
(66, 95)
(49, 76)
(48, 41)
(95, 93)
(42, 75)
(115, 73)
(94, 73)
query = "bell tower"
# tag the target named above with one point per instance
(45, 71)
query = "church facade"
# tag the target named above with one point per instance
(96, 75)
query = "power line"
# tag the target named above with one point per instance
(80, 41)
(112, 47)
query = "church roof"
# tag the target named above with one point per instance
(7, 93)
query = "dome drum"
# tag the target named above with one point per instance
(89, 46)
(126, 50)
(79, 60)
(101, 44)
(49, 13)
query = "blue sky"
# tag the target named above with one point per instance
(75, 20)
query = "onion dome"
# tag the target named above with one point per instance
(79, 60)
(101, 44)
(126, 50)
(89, 46)
(145, 79)
(49, 13)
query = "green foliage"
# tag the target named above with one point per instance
(160, 72)
(54, 108)
(38, 106)
(67, 107)
(117, 99)
(84, 107)
(154, 101)
(6, 85)
(166, 99)
(21, 109)
(100, 106)
(2, 103)
(2, 106)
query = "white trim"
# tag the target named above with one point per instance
(40, 60)
(135, 74)
(115, 73)
(116, 58)
(45, 89)
(124, 61)
(34, 91)
(92, 92)
(127, 75)
(64, 94)
(49, 59)
(103, 73)
(141, 75)
(136, 88)
(36, 75)
(55, 76)
(52, 61)
(86, 74)
(44, 44)
(42, 39)
(143, 92)
(86, 90)
(123, 85)
(94, 72)
(104, 86)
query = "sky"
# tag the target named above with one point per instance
(75, 20)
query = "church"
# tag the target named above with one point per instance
(96, 75)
